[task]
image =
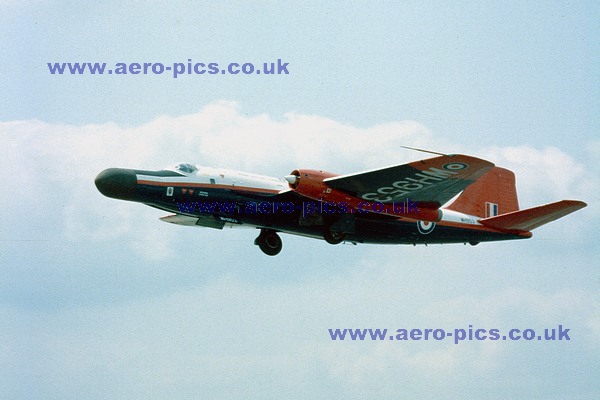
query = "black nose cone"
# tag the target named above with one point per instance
(117, 183)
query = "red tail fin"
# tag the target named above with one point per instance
(493, 194)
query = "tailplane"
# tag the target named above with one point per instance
(531, 218)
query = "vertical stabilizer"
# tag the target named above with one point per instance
(493, 194)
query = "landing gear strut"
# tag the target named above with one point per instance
(269, 242)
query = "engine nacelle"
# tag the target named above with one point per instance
(309, 182)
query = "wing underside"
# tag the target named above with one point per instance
(430, 183)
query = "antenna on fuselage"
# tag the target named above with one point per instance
(425, 151)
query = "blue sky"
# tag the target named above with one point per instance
(98, 298)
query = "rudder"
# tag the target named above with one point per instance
(495, 193)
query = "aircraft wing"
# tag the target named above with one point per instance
(430, 183)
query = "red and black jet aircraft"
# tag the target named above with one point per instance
(445, 199)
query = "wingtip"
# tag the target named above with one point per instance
(576, 203)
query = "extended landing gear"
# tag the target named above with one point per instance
(269, 242)
(333, 237)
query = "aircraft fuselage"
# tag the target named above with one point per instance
(216, 198)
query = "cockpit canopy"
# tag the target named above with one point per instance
(183, 167)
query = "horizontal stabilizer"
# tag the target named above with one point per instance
(531, 218)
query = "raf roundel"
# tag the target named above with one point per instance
(455, 166)
(425, 227)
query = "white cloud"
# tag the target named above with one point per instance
(219, 135)
(545, 175)
(51, 167)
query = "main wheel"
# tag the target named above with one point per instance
(269, 242)
(333, 237)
